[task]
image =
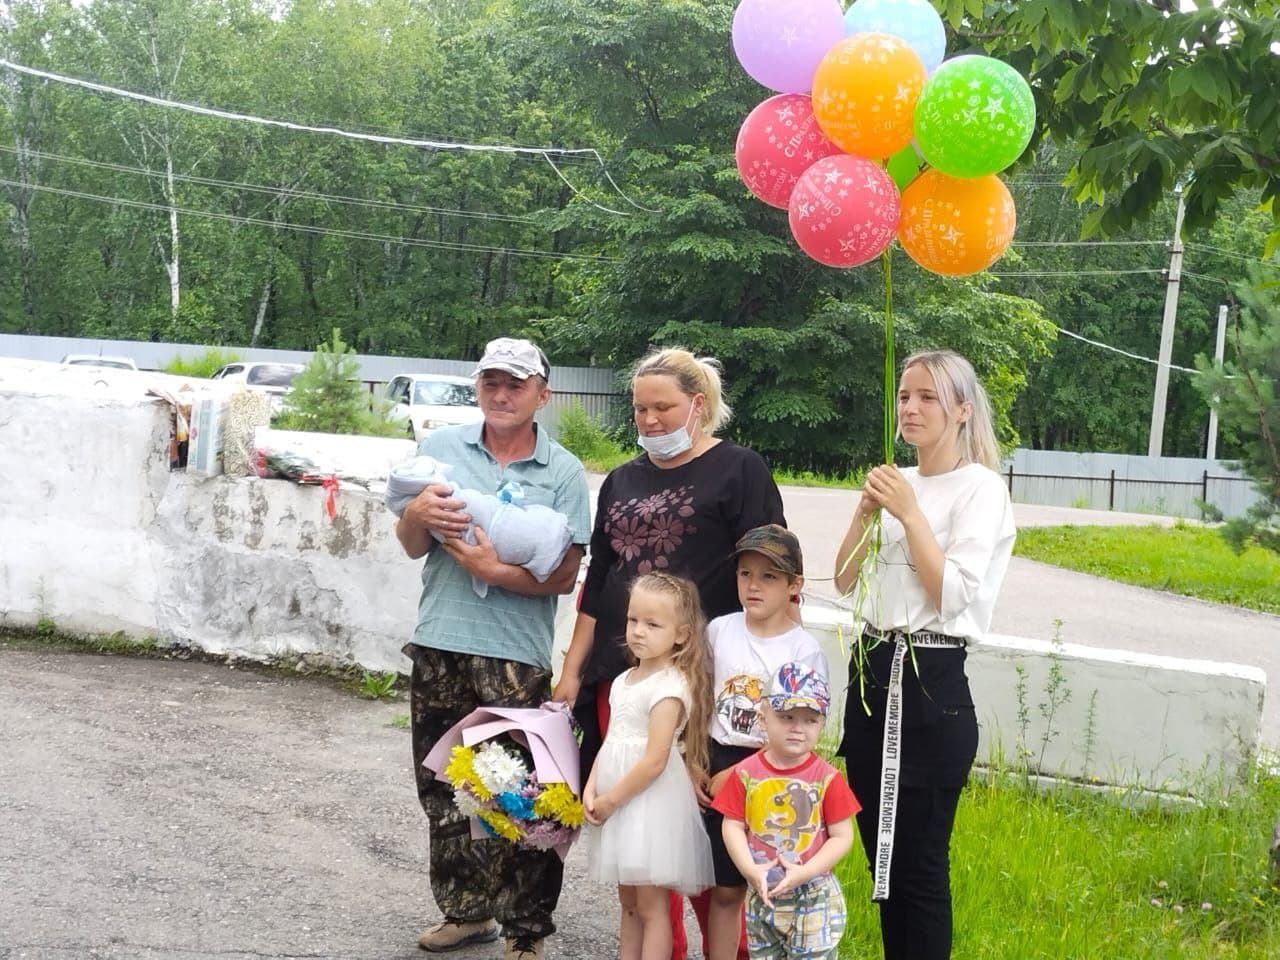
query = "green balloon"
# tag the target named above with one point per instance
(975, 116)
(904, 166)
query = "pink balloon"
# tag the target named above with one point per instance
(779, 140)
(844, 211)
(781, 42)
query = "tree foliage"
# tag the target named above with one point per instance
(1244, 392)
(329, 397)
(122, 219)
(1155, 92)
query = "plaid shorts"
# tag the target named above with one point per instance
(805, 924)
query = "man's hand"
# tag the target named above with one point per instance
(480, 560)
(436, 510)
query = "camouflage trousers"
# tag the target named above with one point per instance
(477, 879)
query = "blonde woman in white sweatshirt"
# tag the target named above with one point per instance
(910, 732)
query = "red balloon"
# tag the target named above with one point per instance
(779, 140)
(844, 211)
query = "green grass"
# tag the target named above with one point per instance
(1068, 874)
(1193, 561)
(807, 478)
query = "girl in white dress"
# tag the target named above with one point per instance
(645, 829)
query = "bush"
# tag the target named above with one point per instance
(203, 366)
(583, 436)
(328, 397)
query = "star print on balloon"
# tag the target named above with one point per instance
(975, 117)
(779, 42)
(844, 211)
(914, 21)
(780, 140)
(865, 92)
(892, 140)
(956, 227)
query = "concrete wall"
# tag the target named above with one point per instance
(1159, 723)
(97, 535)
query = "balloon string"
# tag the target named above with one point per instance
(890, 384)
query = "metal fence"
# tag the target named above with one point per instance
(1099, 493)
(1099, 481)
(595, 388)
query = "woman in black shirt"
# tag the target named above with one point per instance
(679, 507)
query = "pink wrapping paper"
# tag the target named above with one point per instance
(546, 732)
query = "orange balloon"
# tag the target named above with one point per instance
(956, 227)
(865, 92)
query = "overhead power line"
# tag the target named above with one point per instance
(1090, 243)
(1123, 353)
(288, 192)
(1075, 273)
(506, 148)
(307, 228)
(1219, 252)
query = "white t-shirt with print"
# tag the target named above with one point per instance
(744, 667)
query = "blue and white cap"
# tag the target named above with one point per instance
(797, 685)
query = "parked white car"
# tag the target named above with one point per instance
(267, 376)
(426, 401)
(94, 360)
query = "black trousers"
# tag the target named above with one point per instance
(939, 742)
(474, 880)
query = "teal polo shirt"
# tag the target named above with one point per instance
(504, 625)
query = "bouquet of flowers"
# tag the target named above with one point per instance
(514, 772)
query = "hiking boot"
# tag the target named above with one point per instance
(446, 935)
(524, 948)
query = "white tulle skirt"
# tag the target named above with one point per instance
(657, 838)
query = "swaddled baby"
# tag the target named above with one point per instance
(525, 535)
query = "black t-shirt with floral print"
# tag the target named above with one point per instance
(684, 520)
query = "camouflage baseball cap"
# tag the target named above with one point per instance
(779, 544)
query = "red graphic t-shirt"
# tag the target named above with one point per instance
(786, 811)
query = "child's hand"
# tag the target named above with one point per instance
(758, 879)
(603, 808)
(589, 803)
(710, 786)
(793, 875)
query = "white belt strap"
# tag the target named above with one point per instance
(891, 753)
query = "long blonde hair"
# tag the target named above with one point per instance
(693, 375)
(692, 659)
(958, 384)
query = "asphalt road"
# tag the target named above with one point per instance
(161, 809)
(1094, 611)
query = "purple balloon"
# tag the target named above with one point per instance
(781, 42)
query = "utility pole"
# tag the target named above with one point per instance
(1155, 443)
(1219, 351)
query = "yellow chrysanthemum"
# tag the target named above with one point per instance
(461, 771)
(501, 824)
(558, 803)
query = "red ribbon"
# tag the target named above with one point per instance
(330, 484)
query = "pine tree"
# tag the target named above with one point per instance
(329, 397)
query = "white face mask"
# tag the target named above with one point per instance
(667, 446)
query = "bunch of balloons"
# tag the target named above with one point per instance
(873, 136)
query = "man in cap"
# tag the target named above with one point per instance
(468, 651)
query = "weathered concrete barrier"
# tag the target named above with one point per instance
(1101, 716)
(98, 536)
